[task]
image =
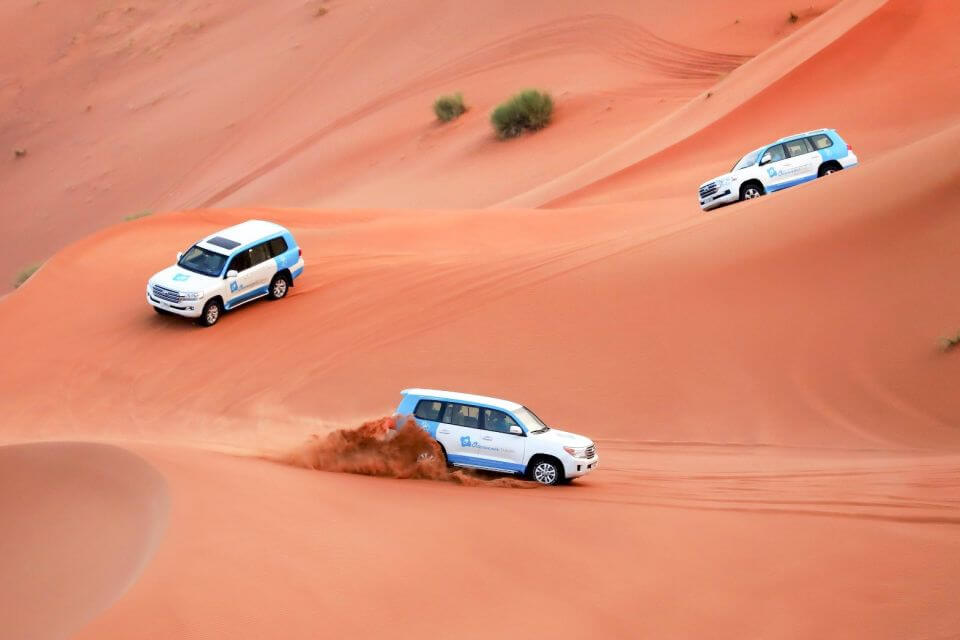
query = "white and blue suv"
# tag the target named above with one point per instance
(229, 268)
(479, 432)
(785, 163)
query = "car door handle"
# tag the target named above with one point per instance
(486, 438)
(443, 431)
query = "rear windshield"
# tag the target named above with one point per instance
(203, 261)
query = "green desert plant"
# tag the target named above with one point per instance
(25, 274)
(529, 110)
(137, 215)
(950, 342)
(449, 107)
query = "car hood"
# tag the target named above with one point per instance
(179, 279)
(731, 176)
(563, 438)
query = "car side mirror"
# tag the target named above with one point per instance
(179, 255)
(232, 273)
(765, 159)
(515, 430)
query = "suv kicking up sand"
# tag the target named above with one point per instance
(498, 435)
(785, 163)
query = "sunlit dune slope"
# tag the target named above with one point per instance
(80, 521)
(685, 543)
(809, 317)
(126, 107)
(867, 84)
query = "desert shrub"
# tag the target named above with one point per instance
(138, 214)
(950, 342)
(25, 273)
(529, 110)
(449, 107)
(794, 18)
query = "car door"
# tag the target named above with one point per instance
(460, 425)
(262, 268)
(254, 278)
(235, 285)
(499, 433)
(805, 160)
(775, 163)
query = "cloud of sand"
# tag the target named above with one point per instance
(381, 448)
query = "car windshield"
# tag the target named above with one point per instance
(530, 420)
(202, 261)
(747, 161)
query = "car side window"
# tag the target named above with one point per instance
(462, 415)
(428, 410)
(776, 153)
(258, 254)
(494, 420)
(821, 141)
(240, 262)
(798, 147)
(278, 246)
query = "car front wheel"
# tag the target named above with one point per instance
(210, 314)
(750, 191)
(546, 472)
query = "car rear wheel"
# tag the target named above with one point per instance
(211, 314)
(279, 287)
(546, 471)
(828, 169)
(434, 452)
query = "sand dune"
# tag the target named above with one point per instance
(126, 107)
(80, 521)
(777, 424)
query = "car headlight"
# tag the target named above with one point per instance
(723, 182)
(577, 452)
(191, 295)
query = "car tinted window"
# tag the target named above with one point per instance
(428, 410)
(259, 253)
(776, 153)
(277, 246)
(494, 420)
(240, 262)
(462, 415)
(798, 147)
(821, 141)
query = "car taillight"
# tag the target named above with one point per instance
(300, 251)
(849, 148)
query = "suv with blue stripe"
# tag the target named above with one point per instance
(779, 165)
(242, 263)
(480, 432)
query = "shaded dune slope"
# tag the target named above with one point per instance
(80, 522)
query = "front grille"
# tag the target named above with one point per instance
(708, 189)
(591, 451)
(162, 293)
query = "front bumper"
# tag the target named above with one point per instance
(187, 308)
(718, 200)
(576, 467)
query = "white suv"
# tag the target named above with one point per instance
(227, 269)
(785, 163)
(498, 435)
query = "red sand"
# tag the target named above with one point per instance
(780, 433)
